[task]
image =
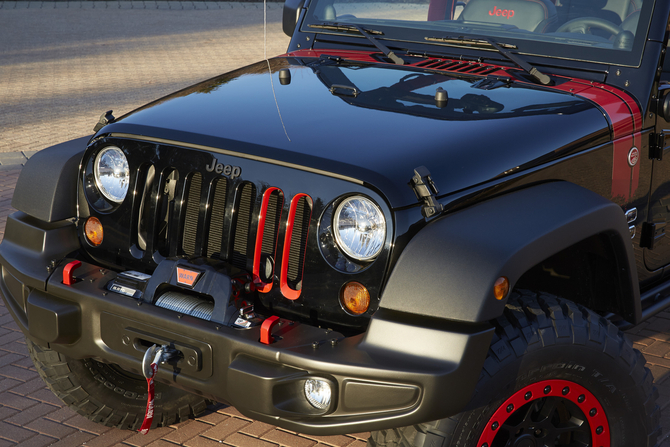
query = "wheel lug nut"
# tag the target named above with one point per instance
(510, 408)
(599, 430)
(565, 391)
(528, 395)
(547, 389)
(593, 412)
(581, 398)
(495, 426)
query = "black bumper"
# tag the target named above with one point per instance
(402, 371)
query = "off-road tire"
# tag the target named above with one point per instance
(108, 395)
(541, 338)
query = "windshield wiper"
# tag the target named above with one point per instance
(502, 48)
(368, 34)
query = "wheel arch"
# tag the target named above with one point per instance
(449, 268)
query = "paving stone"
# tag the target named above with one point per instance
(225, 429)
(17, 402)
(50, 428)
(30, 414)
(38, 441)
(241, 440)
(139, 440)
(337, 441)
(14, 433)
(186, 431)
(79, 438)
(289, 439)
(257, 429)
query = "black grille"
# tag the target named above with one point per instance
(461, 67)
(179, 213)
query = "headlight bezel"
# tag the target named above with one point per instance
(342, 244)
(103, 189)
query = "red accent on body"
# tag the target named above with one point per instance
(260, 285)
(286, 290)
(149, 414)
(266, 329)
(556, 387)
(68, 278)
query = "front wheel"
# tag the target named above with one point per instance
(556, 374)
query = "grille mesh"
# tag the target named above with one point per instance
(298, 242)
(217, 217)
(192, 214)
(243, 225)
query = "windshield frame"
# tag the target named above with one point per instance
(398, 32)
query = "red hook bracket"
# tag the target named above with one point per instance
(266, 329)
(68, 278)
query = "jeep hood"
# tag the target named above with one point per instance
(376, 122)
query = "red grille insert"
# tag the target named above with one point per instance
(294, 246)
(269, 241)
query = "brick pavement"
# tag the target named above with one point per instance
(64, 63)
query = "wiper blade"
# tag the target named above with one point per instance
(502, 48)
(368, 34)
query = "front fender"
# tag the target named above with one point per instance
(449, 268)
(47, 186)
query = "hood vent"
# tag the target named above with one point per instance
(457, 66)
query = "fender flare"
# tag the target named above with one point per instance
(47, 186)
(449, 268)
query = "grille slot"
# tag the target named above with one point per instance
(192, 214)
(217, 218)
(295, 243)
(242, 225)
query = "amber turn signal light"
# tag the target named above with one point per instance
(355, 298)
(501, 288)
(93, 231)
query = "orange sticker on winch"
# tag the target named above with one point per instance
(187, 277)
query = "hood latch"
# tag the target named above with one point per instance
(423, 186)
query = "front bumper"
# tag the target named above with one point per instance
(403, 370)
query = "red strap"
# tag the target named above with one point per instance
(68, 279)
(149, 415)
(266, 329)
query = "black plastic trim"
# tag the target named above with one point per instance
(47, 187)
(414, 369)
(448, 270)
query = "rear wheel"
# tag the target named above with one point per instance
(556, 374)
(109, 395)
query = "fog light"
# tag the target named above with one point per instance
(318, 393)
(93, 231)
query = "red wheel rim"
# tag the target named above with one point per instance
(536, 406)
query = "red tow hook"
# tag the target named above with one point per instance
(266, 329)
(68, 278)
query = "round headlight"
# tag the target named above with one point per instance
(112, 173)
(360, 228)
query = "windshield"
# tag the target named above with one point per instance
(601, 31)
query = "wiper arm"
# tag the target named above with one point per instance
(502, 48)
(368, 34)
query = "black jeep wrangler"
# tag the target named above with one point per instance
(429, 219)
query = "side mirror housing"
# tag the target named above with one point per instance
(291, 14)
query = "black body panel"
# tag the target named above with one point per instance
(339, 136)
